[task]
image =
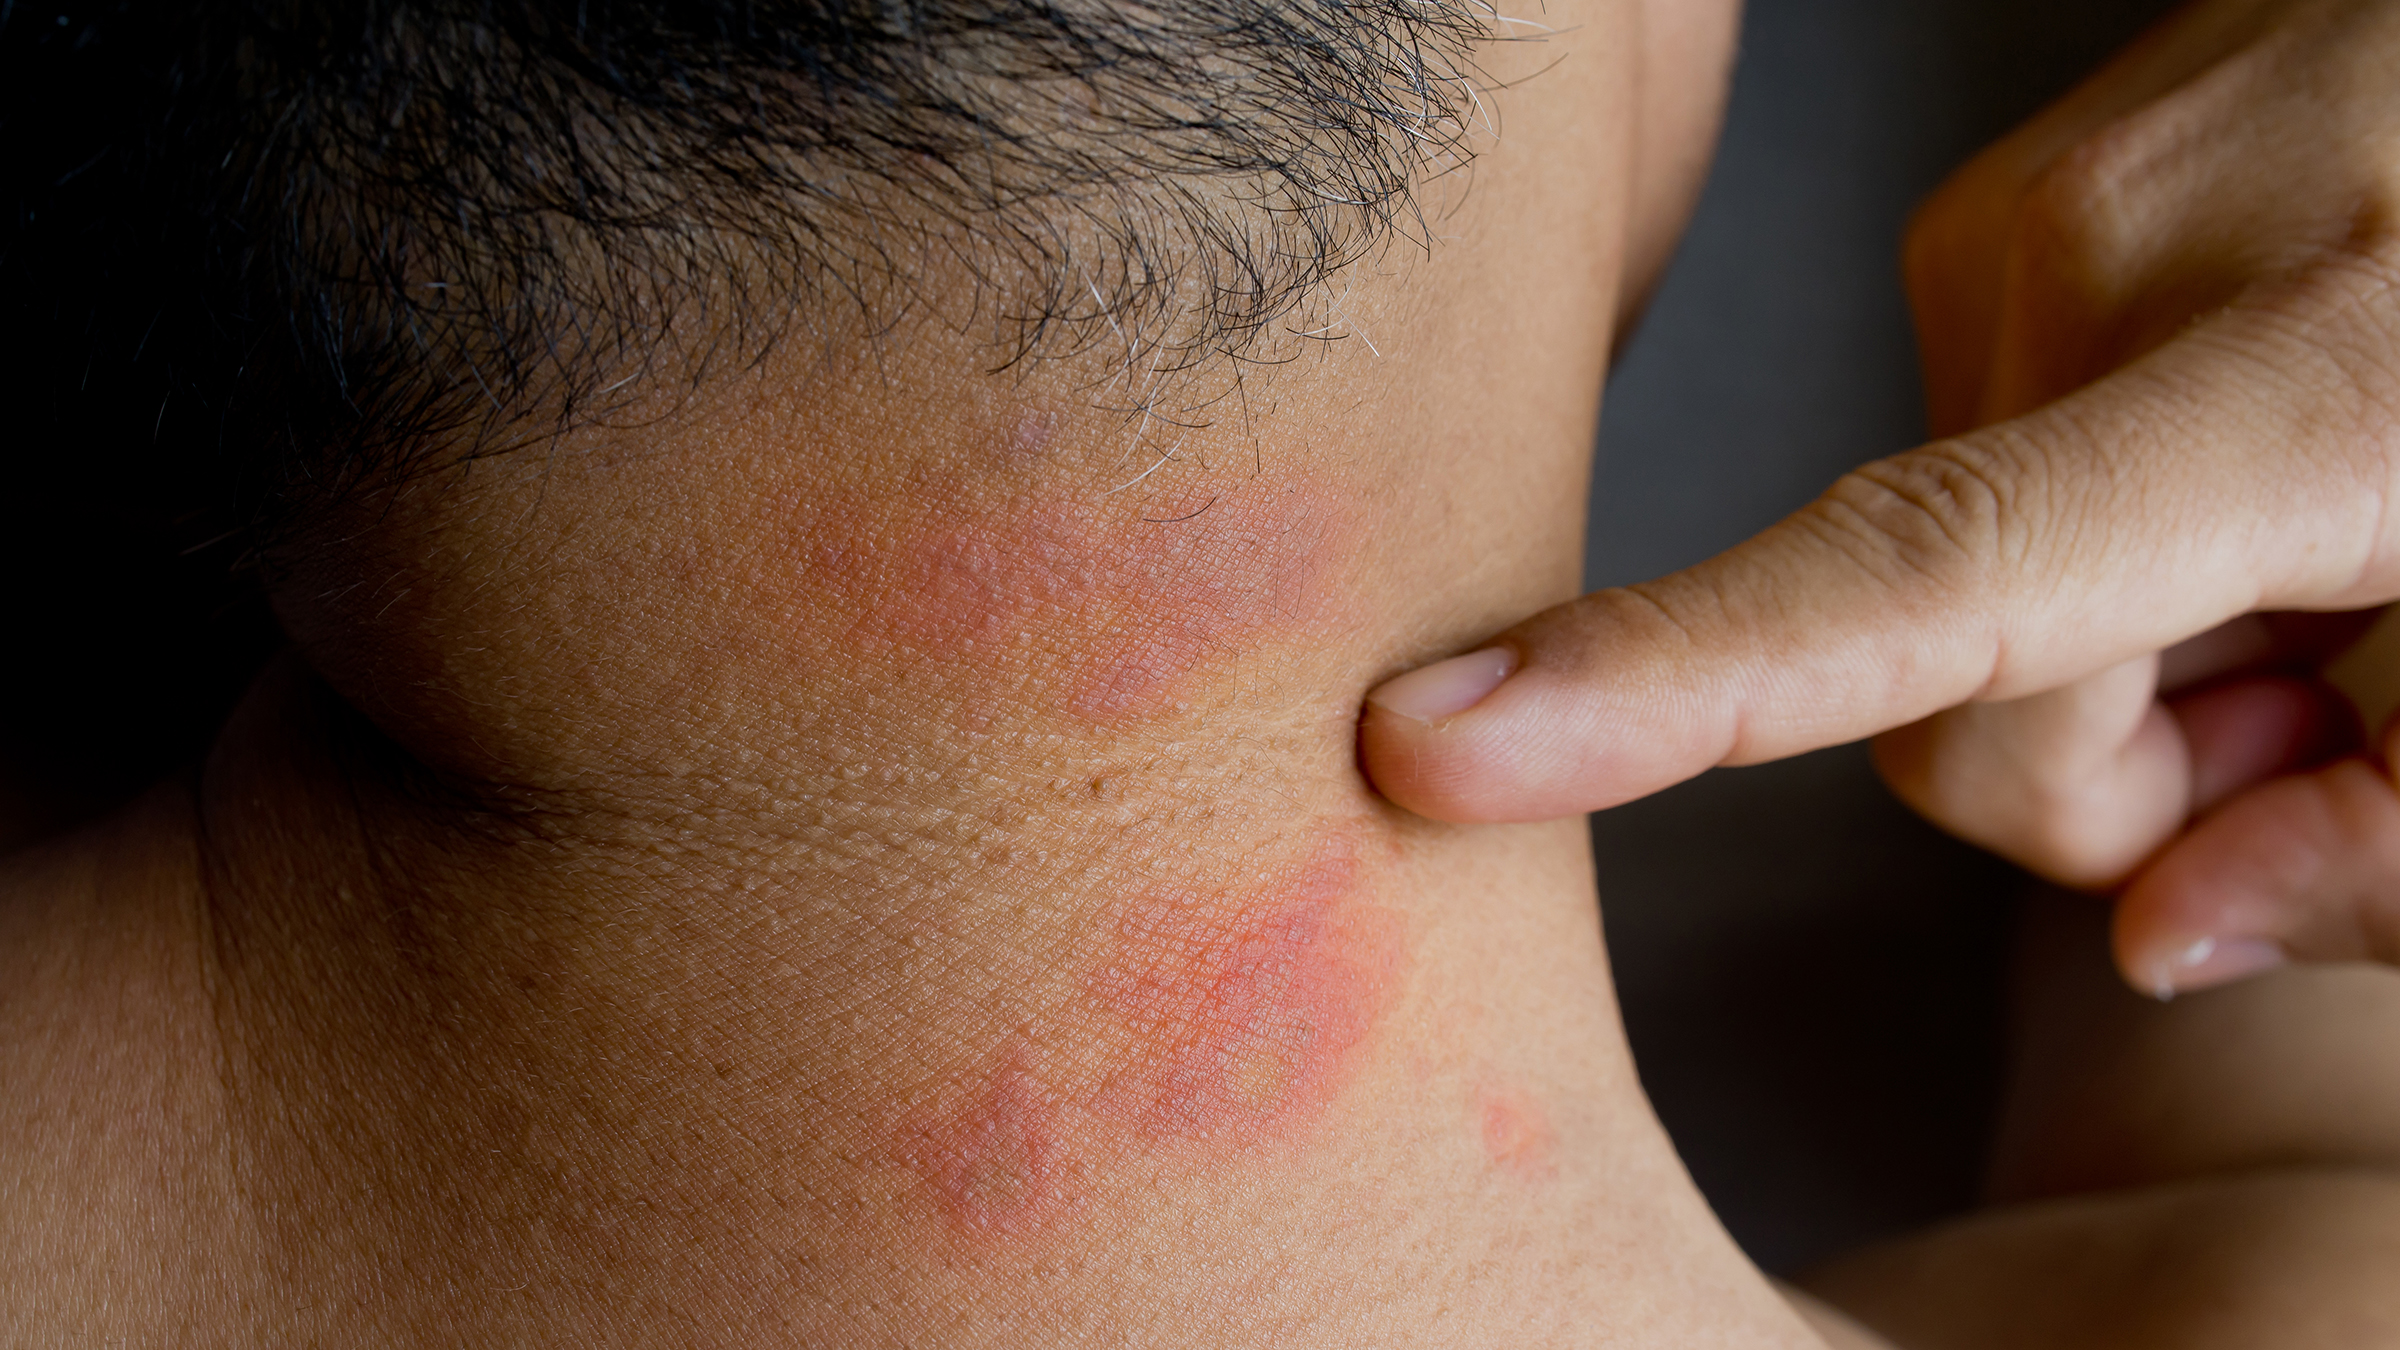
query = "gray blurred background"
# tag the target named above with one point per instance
(1810, 977)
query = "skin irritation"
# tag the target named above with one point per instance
(1219, 1023)
(1108, 608)
(1246, 1018)
(1517, 1137)
(994, 1165)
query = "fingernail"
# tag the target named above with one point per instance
(2210, 961)
(1446, 688)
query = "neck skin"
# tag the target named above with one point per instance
(874, 855)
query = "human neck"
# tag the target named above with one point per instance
(973, 863)
(908, 944)
(1009, 642)
(879, 857)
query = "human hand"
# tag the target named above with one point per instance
(2161, 326)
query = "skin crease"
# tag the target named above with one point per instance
(602, 931)
(730, 877)
(613, 926)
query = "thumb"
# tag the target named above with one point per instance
(2243, 465)
(2302, 869)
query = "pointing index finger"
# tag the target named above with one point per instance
(2244, 465)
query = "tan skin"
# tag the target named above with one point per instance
(669, 898)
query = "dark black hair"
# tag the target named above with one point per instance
(255, 252)
(331, 239)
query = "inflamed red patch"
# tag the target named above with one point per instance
(1212, 1023)
(1246, 1012)
(1517, 1137)
(1109, 608)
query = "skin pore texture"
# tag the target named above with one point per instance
(1226, 1024)
(869, 851)
(1127, 609)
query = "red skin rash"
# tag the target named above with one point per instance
(1516, 1134)
(1216, 1021)
(1122, 601)
(1245, 1019)
(993, 1162)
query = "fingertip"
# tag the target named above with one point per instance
(2180, 966)
(1583, 707)
(2215, 907)
(1514, 752)
(2299, 869)
(1403, 759)
(1448, 688)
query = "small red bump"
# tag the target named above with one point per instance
(1517, 1135)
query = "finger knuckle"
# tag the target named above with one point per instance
(2077, 842)
(2062, 837)
(2040, 814)
(1941, 515)
(2322, 351)
(2077, 220)
(1673, 616)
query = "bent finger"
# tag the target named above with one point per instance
(2244, 732)
(2303, 869)
(2079, 784)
